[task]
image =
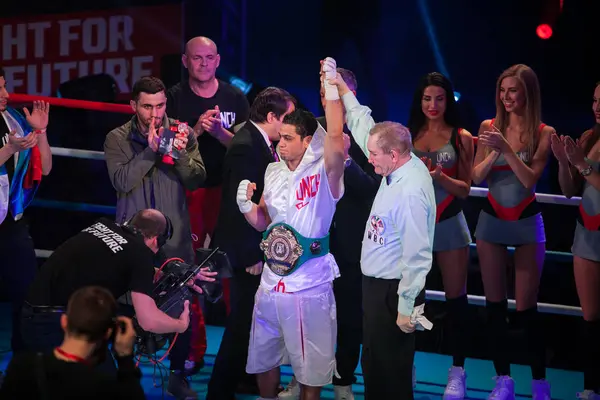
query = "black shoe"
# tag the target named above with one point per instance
(179, 387)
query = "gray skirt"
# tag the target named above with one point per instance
(586, 243)
(510, 233)
(452, 233)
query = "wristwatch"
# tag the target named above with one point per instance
(347, 162)
(586, 171)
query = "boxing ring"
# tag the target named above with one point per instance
(557, 256)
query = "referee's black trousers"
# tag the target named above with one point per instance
(388, 353)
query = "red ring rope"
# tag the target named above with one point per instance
(84, 104)
(71, 103)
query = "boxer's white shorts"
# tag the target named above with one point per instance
(295, 328)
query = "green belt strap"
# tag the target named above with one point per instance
(285, 261)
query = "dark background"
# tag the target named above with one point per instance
(388, 44)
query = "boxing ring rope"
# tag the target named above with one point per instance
(102, 209)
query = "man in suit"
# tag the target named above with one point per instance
(249, 153)
(346, 233)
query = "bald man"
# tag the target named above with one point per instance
(213, 108)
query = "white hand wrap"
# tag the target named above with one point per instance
(330, 70)
(243, 203)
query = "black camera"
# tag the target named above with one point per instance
(216, 262)
(171, 291)
(119, 326)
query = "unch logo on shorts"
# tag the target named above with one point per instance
(376, 230)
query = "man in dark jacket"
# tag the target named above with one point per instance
(65, 372)
(251, 150)
(140, 176)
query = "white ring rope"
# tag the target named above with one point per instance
(475, 191)
(431, 294)
(77, 153)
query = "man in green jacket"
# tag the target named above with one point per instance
(139, 174)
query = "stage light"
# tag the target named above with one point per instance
(240, 84)
(544, 31)
(456, 96)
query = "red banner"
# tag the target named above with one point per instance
(38, 53)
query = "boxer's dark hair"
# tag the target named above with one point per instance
(147, 84)
(1, 72)
(304, 121)
(91, 311)
(271, 99)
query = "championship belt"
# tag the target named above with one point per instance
(286, 250)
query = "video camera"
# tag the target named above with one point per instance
(171, 291)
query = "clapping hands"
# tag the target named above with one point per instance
(495, 140)
(434, 171)
(209, 121)
(566, 149)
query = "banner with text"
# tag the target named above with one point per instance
(38, 53)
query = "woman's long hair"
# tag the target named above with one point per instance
(533, 104)
(417, 119)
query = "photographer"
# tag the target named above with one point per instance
(119, 258)
(89, 325)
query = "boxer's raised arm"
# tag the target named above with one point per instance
(334, 140)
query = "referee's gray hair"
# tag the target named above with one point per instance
(392, 136)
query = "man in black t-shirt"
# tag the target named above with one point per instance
(118, 258)
(215, 109)
(25, 157)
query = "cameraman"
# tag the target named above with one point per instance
(119, 258)
(89, 324)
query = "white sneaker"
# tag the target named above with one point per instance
(455, 389)
(504, 390)
(540, 390)
(588, 395)
(291, 392)
(343, 393)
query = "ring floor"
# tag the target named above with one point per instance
(431, 368)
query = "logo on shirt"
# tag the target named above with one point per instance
(524, 156)
(110, 238)
(376, 230)
(307, 189)
(443, 157)
(227, 119)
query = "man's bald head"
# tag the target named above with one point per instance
(201, 58)
(200, 41)
(150, 222)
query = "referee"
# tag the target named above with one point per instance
(396, 252)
